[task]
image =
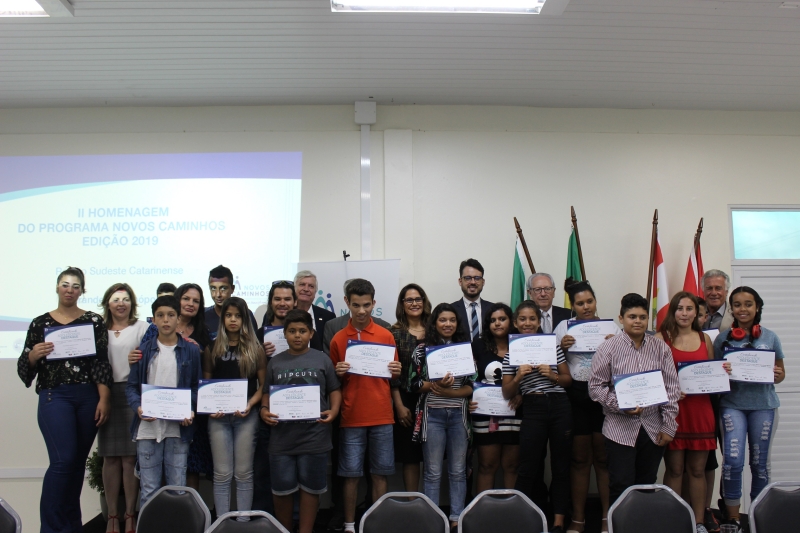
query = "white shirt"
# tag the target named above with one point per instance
(119, 348)
(313, 321)
(580, 364)
(549, 315)
(163, 371)
(468, 306)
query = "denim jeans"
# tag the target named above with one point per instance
(262, 484)
(168, 457)
(233, 445)
(446, 431)
(355, 443)
(66, 419)
(757, 427)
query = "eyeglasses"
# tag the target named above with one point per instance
(118, 300)
(472, 278)
(542, 290)
(283, 282)
(411, 301)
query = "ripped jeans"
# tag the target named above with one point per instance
(757, 427)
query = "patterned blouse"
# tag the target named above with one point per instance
(51, 374)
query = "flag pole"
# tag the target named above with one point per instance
(652, 257)
(697, 234)
(578, 242)
(524, 246)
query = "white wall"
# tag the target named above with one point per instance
(446, 183)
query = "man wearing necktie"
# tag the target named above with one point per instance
(542, 289)
(471, 308)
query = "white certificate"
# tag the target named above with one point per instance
(294, 402)
(641, 389)
(166, 403)
(221, 395)
(274, 334)
(703, 377)
(751, 365)
(532, 349)
(71, 341)
(454, 359)
(369, 358)
(712, 334)
(490, 400)
(589, 334)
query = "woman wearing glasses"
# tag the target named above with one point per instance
(413, 311)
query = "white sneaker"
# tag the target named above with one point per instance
(700, 528)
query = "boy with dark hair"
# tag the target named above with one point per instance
(635, 438)
(298, 451)
(367, 413)
(165, 289)
(167, 361)
(221, 287)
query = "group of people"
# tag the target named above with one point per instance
(368, 424)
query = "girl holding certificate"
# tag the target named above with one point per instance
(547, 417)
(74, 399)
(748, 412)
(114, 442)
(442, 414)
(413, 312)
(588, 443)
(236, 354)
(696, 428)
(496, 438)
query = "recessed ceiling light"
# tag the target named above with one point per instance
(790, 5)
(441, 6)
(21, 8)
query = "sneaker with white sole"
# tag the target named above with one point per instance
(700, 528)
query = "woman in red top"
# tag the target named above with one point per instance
(696, 428)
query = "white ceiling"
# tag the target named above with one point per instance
(666, 54)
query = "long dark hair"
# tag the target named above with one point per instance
(249, 347)
(669, 328)
(279, 285)
(759, 303)
(486, 333)
(198, 322)
(432, 336)
(400, 312)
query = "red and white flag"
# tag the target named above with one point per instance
(694, 272)
(660, 291)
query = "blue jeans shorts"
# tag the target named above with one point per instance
(308, 472)
(353, 448)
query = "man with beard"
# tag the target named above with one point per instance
(471, 308)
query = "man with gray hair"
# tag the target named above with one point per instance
(715, 289)
(305, 286)
(542, 290)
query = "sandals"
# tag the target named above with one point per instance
(132, 519)
(575, 530)
(110, 518)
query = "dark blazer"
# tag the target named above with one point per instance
(462, 313)
(559, 315)
(321, 317)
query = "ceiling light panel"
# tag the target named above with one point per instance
(527, 7)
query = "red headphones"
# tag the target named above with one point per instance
(740, 333)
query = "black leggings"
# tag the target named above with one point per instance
(546, 418)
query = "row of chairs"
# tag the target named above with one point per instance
(651, 508)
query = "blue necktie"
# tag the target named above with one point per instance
(474, 320)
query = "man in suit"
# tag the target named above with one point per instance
(471, 308)
(542, 289)
(305, 285)
(715, 289)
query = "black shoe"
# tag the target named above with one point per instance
(557, 529)
(710, 521)
(336, 523)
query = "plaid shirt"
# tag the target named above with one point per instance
(619, 355)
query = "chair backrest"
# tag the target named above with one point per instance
(504, 511)
(260, 522)
(173, 509)
(402, 512)
(773, 509)
(656, 510)
(10, 521)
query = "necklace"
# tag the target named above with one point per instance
(116, 332)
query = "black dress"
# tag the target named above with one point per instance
(489, 430)
(405, 449)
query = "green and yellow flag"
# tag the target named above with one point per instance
(573, 264)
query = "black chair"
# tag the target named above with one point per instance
(502, 510)
(9, 519)
(395, 512)
(773, 510)
(260, 522)
(173, 509)
(651, 508)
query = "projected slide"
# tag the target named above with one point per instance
(143, 219)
